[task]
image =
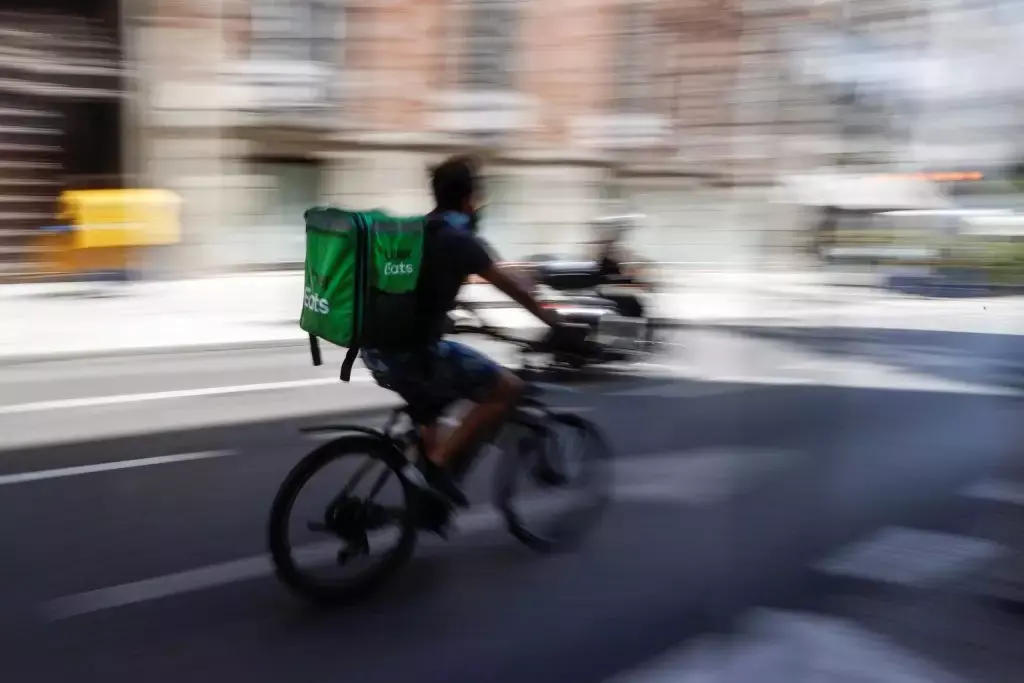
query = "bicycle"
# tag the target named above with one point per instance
(389, 451)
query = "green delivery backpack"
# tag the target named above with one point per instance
(361, 272)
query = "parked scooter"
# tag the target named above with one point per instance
(603, 294)
(615, 307)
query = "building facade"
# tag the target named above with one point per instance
(579, 107)
(61, 92)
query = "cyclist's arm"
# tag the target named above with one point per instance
(515, 291)
(477, 258)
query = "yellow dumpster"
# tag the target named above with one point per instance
(101, 230)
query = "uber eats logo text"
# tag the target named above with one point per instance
(312, 300)
(396, 261)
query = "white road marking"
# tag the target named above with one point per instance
(780, 647)
(1003, 491)
(39, 475)
(911, 557)
(358, 376)
(690, 477)
(159, 587)
(474, 520)
(122, 399)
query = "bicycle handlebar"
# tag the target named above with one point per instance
(494, 333)
(546, 345)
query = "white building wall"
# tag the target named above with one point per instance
(541, 208)
(397, 181)
(220, 197)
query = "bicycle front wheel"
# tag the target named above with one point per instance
(362, 528)
(569, 463)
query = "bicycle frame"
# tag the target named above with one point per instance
(383, 432)
(397, 458)
(532, 412)
(341, 428)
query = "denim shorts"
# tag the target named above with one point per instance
(433, 378)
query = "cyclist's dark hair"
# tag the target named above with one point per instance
(453, 181)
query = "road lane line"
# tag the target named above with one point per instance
(697, 478)
(476, 519)
(358, 376)
(1003, 491)
(122, 399)
(158, 587)
(39, 475)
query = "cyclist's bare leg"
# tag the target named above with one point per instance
(428, 434)
(483, 419)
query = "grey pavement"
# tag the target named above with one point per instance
(929, 596)
(78, 319)
(741, 462)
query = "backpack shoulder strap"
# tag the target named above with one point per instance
(362, 282)
(314, 350)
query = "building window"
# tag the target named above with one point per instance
(277, 235)
(635, 44)
(491, 41)
(500, 223)
(294, 30)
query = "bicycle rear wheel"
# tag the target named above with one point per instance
(357, 524)
(574, 450)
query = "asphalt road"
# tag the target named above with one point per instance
(734, 471)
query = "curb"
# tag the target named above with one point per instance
(26, 359)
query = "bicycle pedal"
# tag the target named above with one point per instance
(441, 531)
(545, 475)
(435, 516)
(357, 547)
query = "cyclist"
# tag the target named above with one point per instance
(430, 372)
(612, 257)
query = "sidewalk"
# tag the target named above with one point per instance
(79, 319)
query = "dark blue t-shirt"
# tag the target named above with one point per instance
(451, 253)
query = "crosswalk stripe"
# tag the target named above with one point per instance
(911, 557)
(997, 491)
(782, 647)
(775, 646)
